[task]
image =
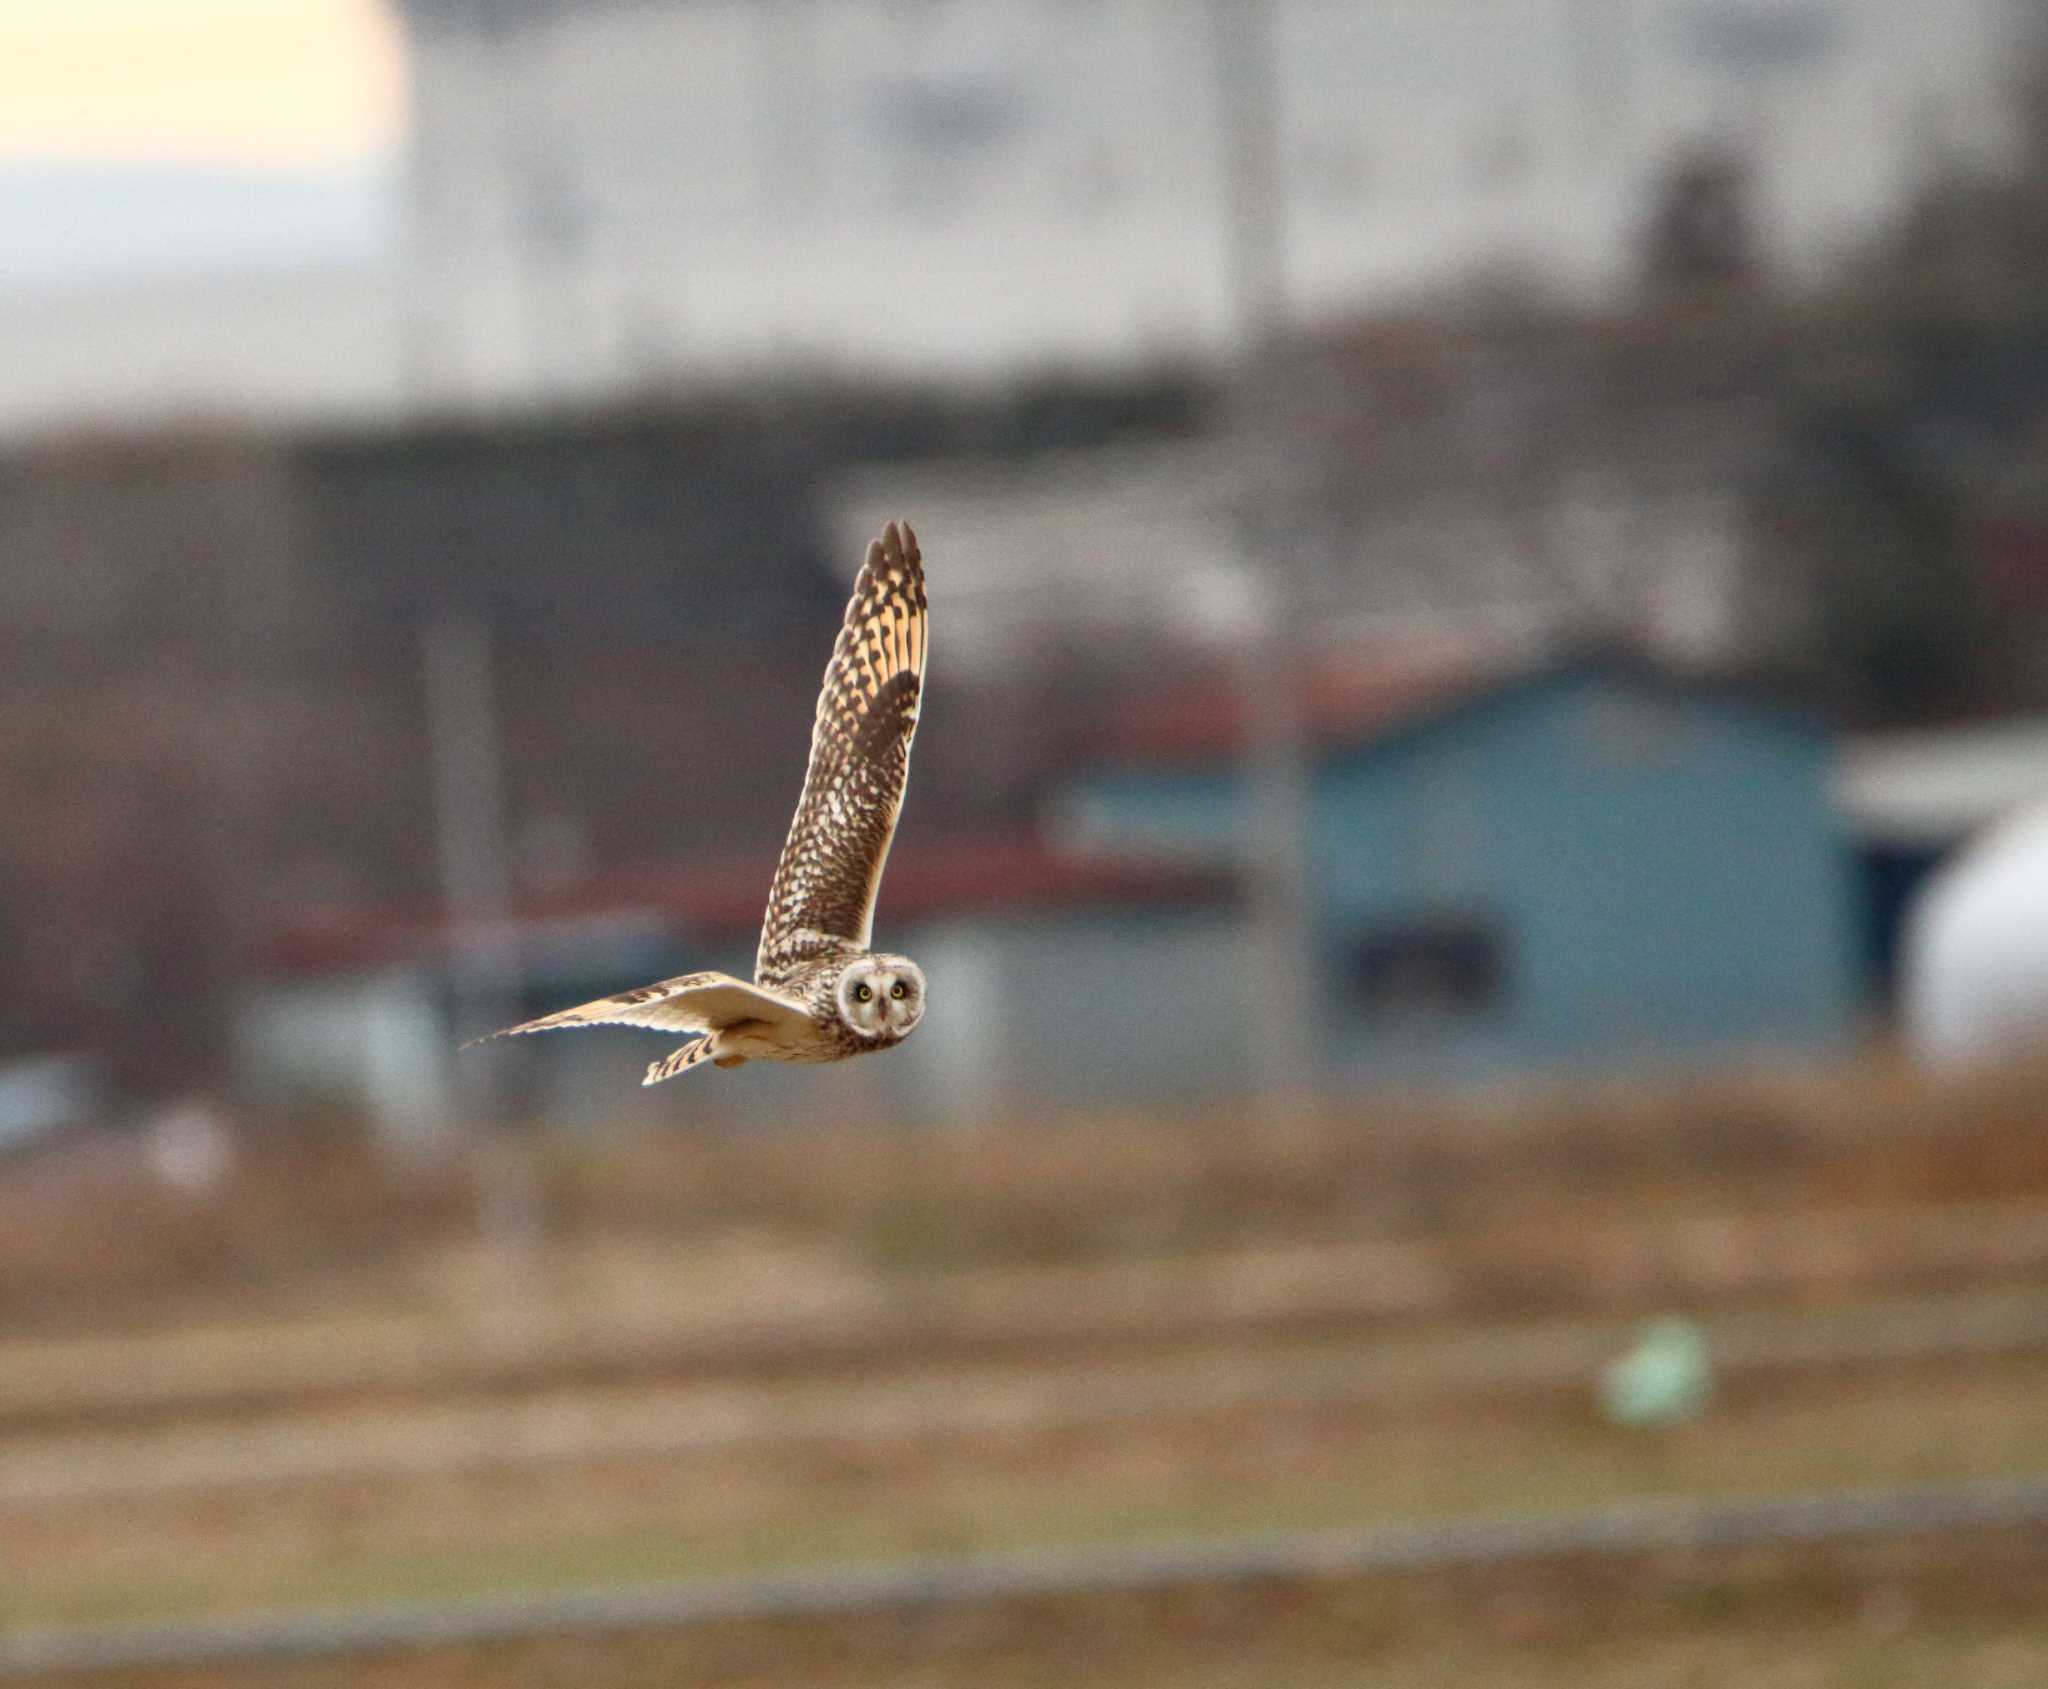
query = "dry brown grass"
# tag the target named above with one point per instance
(1865, 1617)
(684, 1482)
(1018, 1271)
(1871, 1134)
(89, 1240)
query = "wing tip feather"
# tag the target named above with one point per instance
(519, 1031)
(896, 550)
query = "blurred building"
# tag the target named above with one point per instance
(1582, 866)
(212, 642)
(1974, 973)
(1513, 488)
(606, 197)
(213, 695)
(1587, 864)
(317, 343)
(1062, 981)
(608, 193)
(1915, 800)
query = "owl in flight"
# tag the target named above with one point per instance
(819, 993)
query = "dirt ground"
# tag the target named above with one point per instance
(737, 1356)
(583, 1486)
(310, 1225)
(1958, 1616)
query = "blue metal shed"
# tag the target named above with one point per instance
(1590, 864)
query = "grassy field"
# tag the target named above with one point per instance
(580, 1486)
(1810, 1657)
(310, 1224)
(737, 1355)
(1812, 1635)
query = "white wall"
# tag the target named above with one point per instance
(377, 1042)
(1030, 1014)
(614, 190)
(320, 342)
(616, 193)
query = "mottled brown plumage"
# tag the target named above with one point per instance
(819, 993)
(822, 901)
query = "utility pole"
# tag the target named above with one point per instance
(469, 813)
(476, 889)
(1254, 187)
(1269, 667)
(1601, 53)
(553, 231)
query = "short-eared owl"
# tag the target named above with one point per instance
(819, 993)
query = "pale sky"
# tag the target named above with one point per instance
(246, 83)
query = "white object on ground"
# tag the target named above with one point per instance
(1974, 980)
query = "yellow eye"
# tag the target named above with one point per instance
(863, 993)
(899, 990)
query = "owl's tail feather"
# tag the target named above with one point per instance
(679, 1061)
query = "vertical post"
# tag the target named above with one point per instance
(469, 814)
(1254, 206)
(442, 257)
(476, 889)
(423, 358)
(553, 234)
(1268, 665)
(1279, 792)
(1599, 49)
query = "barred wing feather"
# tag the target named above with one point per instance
(822, 901)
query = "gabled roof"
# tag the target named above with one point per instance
(1354, 700)
(1929, 788)
(1342, 700)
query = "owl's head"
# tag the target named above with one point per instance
(881, 997)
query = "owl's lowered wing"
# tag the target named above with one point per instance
(823, 900)
(688, 1003)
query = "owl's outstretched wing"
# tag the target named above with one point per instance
(688, 1003)
(823, 900)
